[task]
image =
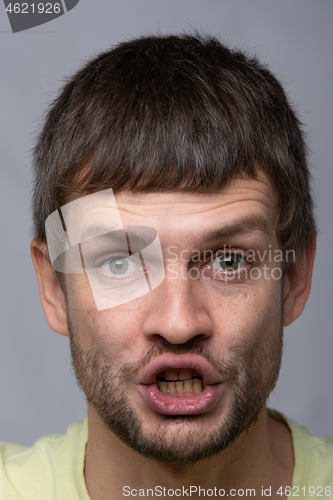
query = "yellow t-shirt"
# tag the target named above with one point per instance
(313, 472)
(52, 469)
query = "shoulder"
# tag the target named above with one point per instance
(313, 458)
(44, 470)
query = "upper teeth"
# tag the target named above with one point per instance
(181, 374)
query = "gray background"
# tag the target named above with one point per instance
(38, 393)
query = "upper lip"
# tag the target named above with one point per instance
(168, 360)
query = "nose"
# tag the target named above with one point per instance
(177, 312)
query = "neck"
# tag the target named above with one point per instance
(259, 458)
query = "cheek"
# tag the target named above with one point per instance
(79, 297)
(113, 330)
(247, 316)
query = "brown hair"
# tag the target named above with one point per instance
(166, 113)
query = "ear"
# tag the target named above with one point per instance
(297, 283)
(51, 294)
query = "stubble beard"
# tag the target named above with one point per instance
(177, 439)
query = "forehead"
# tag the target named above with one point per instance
(243, 198)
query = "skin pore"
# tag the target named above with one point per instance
(234, 324)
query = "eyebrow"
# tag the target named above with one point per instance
(244, 226)
(140, 241)
(128, 238)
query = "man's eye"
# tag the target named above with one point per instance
(229, 262)
(120, 266)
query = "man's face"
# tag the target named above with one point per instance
(180, 372)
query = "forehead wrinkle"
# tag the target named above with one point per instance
(97, 231)
(197, 204)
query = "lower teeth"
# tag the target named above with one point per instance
(180, 386)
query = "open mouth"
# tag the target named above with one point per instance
(181, 385)
(180, 382)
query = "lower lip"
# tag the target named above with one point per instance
(177, 405)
